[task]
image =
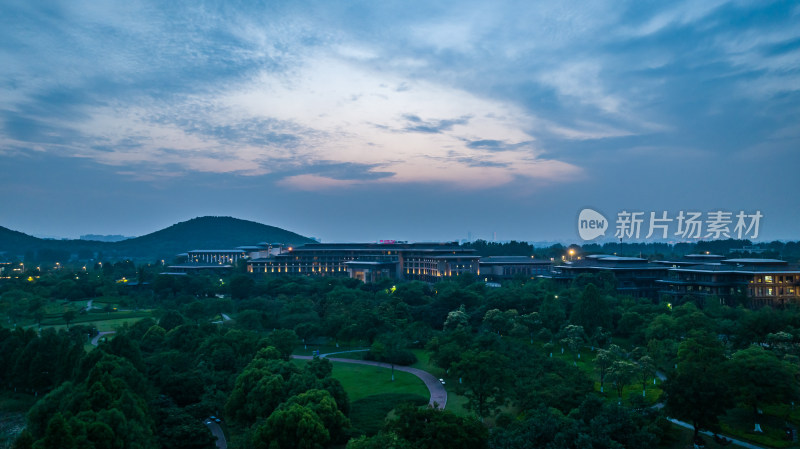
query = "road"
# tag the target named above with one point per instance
(96, 339)
(435, 388)
(217, 431)
(707, 433)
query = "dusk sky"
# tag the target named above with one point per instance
(396, 120)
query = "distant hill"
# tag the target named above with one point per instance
(104, 238)
(197, 233)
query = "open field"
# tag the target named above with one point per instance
(373, 394)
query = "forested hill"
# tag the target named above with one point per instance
(197, 233)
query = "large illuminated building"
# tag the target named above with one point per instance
(762, 281)
(369, 262)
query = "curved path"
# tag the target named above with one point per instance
(436, 389)
(216, 430)
(710, 434)
(96, 339)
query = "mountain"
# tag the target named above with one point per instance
(197, 233)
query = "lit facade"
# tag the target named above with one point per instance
(428, 262)
(216, 256)
(763, 281)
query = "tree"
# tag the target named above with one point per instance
(69, 316)
(171, 320)
(456, 318)
(284, 340)
(591, 310)
(759, 377)
(241, 286)
(645, 370)
(195, 311)
(58, 435)
(486, 378)
(292, 426)
(552, 313)
(23, 441)
(572, 336)
(698, 391)
(498, 321)
(324, 405)
(391, 349)
(602, 362)
(429, 428)
(620, 374)
(39, 315)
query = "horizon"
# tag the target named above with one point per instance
(408, 121)
(541, 243)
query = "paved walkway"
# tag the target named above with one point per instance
(217, 431)
(707, 433)
(96, 339)
(435, 388)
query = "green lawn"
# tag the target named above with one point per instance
(424, 363)
(103, 323)
(373, 394)
(361, 381)
(739, 423)
(678, 437)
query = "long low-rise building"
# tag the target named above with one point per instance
(507, 267)
(635, 276)
(762, 281)
(428, 262)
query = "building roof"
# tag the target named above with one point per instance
(513, 260)
(372, 263)
(622, 259)
(199, 266)
(448, 246)
(744, 269)
(216, 251)
(612, 263)
(756, 261)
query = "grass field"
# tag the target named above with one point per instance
(373, 394)
(102, 323)
(681, 438)
(361, 381)
(739, 423)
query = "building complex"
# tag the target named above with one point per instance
(762, 281)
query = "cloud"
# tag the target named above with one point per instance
(417, 125)
(389, 94)
(310, 182)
